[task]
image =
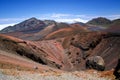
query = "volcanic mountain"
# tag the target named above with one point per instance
(27, 26)
(100, 21)
(69, 52)
(34, 29)
(66, 47)
(114, 27)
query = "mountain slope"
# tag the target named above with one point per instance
(114, 27)
(67, 53)
(33, 29)
(73, 29)
(14, 54)
(28, 26)
(100, 21)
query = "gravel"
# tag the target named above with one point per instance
(61, 76)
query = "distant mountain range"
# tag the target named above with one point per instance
(102, 22)
(30, 25)
(35, 29)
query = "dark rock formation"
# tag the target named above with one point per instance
(95, 62)
(117, 70)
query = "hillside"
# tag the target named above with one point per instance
(61, 47)
(114, 27)
(33, 29)
(72, 49)
(28, 26)
(100, 21)
(73, 29)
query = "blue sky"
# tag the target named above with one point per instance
(15, 11)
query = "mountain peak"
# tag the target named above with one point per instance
(32, 18)
(100, 21)
(32, 24)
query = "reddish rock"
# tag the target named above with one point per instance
(68, 52)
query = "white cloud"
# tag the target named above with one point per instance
(2, 26)
(70, 20)
(112, 17)
(60, 15)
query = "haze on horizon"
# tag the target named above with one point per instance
(15, 11)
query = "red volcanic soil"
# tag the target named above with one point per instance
(50, 30)
(68, 52)
(12, 61)
(75, 28)
(82, 45)
(14, 54)
(114, 28)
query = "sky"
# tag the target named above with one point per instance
(15, 11)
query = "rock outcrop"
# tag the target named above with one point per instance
(95, 62)
(117, 70)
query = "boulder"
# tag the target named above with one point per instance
(95, 62)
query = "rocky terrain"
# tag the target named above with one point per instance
(33, 29)
(103, 22)
(100, 21)
(7, 74)
(59, 49)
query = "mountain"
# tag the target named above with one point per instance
(34, 29)
(69, 52)
(48, 30)
(61, 47)
(72, 29)
(115, 22)
(100, 21)
(49, 22)
(44, 32)
(80, 23)
(104, 24)
(14, 54)
(114, 26)
(28, 26)
(32, 25)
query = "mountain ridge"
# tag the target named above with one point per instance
(102, 22)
